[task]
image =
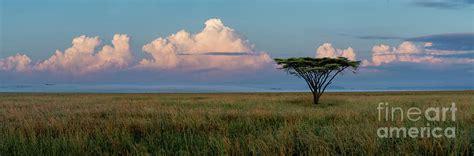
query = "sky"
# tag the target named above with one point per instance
(402, 44)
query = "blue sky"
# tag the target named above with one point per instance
(280, 28)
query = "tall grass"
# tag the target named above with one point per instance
(222, 124)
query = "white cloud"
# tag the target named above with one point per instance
(428, 44)
(407, 48)
(382, 54)
(215, 47)
(20, 63)
(326, 50)
(81, 58)
(409, 52)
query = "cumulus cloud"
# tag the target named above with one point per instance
(410, 52)
(18, 62)
(79, 59)
(215, 47)
(326, 50)
(218, 47)
(212, 48)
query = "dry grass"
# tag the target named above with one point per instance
(230, 124)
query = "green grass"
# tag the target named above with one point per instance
(222, 124)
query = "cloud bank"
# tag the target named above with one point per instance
(451, 41)
(216, 47)
(444, 4)
(412, 53)
(212, 48)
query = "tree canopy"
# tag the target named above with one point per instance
(317, 72)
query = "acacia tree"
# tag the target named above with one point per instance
(317, 72)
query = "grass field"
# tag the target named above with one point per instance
(222, 124)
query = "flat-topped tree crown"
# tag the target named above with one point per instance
(317, 72)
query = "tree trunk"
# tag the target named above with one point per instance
(315, 99)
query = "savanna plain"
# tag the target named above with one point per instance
(224, 124)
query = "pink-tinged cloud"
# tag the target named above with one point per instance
(410, 52)
(326, 50)
(20, 63)
(78, 59)
(215, 47)
(82, 59)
